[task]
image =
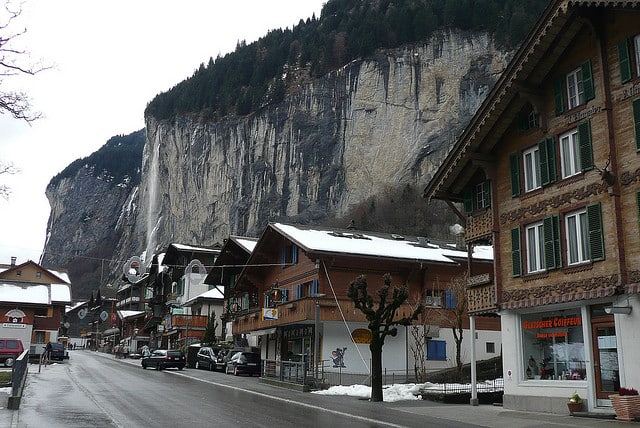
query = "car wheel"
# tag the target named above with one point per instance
(181, 368)
(9, 362)
(160, 367)
(212, 367)
(144, 366)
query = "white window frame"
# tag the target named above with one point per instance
(575, 88)
(570, 153)
(636, 46)
(577, 237)
(531, 162)
(534, 234)
(480, 195)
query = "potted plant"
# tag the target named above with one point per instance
(575, 403)
(626, 403)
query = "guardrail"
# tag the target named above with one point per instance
(18, 377)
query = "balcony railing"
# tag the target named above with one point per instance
(191, 321)
(479, 226)
(481, 294)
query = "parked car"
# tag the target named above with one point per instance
(206, 358)
(10, 349)
(225, 354)
(163, 359)
(58, 352)
(244, 363)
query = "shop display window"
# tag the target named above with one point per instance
(553, 346)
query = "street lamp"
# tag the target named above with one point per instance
(316, 337)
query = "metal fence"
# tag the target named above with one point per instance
(18, 377)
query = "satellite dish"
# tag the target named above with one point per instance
(82, 313)
(104, 315)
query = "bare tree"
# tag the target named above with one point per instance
(6, 168)
(419, 334)
(12, 63)
(382, 321)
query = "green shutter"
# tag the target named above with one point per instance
(594, 229)
(551, 227)
(586, 150)
(467, 197)
(587, 81)
(486, 186)
(515, 251)
(547, 150)
(624, 59)
(558, 95)
(636, 121)
(514, 165)
(551, 159)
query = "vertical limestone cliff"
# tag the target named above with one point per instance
(335, 141)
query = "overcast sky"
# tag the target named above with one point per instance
(110, 59)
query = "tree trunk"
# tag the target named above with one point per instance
(376, 368)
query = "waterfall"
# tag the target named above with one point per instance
(153, 201)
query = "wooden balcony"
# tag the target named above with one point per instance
(479, 226)
(192, 321)
(481, 295)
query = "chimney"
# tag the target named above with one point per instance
(13, 261)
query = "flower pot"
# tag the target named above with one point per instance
(627, 407)
(574, 407)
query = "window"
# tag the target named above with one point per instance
(450, 299)
(433, 298)
(573, 89)
(535, 247)
(289, 255)
(629, 58)
(477, 197)
(553, 346)
(490, 347)
(531, 160)
(307, 289)
(436, 350)
(39, 337)
(576, 152)
(584, 237)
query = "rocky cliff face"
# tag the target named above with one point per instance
(335, 141)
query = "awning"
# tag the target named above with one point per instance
(263, 331)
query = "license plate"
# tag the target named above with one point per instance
(251, 364)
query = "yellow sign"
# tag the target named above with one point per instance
(269, 314)
(361, 335)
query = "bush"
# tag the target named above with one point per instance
(627, 391)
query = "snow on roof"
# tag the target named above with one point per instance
(60, 293)
(480, 252)
(75, 306)
(127, 314)
(214, 293)
(246, 243)
(25, 293)
(61, 274)
(363, 243)
(183, 247)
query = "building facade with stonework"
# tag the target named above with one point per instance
(548, 172)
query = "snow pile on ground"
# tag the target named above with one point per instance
(409, 391)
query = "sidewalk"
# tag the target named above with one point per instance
(482, 416)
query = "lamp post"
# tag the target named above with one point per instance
(316, 337)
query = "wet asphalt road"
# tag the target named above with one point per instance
(96, 390)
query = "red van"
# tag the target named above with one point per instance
(10, 349)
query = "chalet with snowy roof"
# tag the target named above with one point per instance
(32, 303)
(548, 172)
(295, 284)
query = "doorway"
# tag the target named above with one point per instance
(605, 358)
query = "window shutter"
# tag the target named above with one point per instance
(544, 163)
(587, 81)
(624, 59)
(284, 256)
(558, 95)
(267, 300)
(285, 294)
(586, 151)
(551, 226)
(467, 197)
(449, 299)
(299, 291)
(514, 166)
(436, 350)
(636, 121)
(314, 287)
(294, 254)
(487, 193)
(515, 251)
(594, 229)
(550, 144)
(638, 205)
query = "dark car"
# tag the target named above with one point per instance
(10, 350)
(206, 358)
(244, 363)
(58, 352)
(163, 359)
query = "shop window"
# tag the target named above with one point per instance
(436, 350)
(553, 346)
(573, 89)
(490, 347)
(477, 197)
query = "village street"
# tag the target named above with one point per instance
(94, 389)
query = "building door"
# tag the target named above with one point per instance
(605, 358)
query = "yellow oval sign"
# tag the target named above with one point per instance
(361, 335)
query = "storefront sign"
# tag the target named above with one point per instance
(297, 332)
(269, 314)
(361, 335)
(553, 322)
